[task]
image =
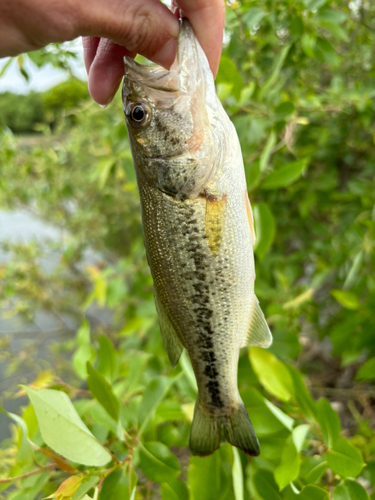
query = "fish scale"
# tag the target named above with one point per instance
(198, 234)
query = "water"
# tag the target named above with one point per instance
(29, 341)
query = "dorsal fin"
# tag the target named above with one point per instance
(258, 333)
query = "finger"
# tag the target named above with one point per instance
(145, 27)
(90, 46)
(207, 18)
(106, 71)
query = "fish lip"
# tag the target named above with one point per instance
(153, 76)
(168, 80)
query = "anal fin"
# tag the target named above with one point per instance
(258, 333)
(171, 341)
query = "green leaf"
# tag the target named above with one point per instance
(252, 172)
(265, 416)
(288, 469)
(85, 352)
(287, 421)
(347, 299)
(325, 52)
(301, 394)
(188, 371)
(63, 430)
(266, 153)
(279, 61)
(344, 459)
(266, 486)
(285, 175)
(67, 488)
(158, 462)
(329, 422)
(229, 74)
(88, 482)
(153, 395)
(175, 489)
(210, 477)
(25, 453)
(312, 469)
(110, 484)
(104, 168)
(237, 475)
(6, 66)
(283, 110)
(102, 392)
(116, 485)
(265, 229)
(312, 492)
(107, 359)
(299, 434)
(367, 370)
(272, 373)
(314, 4)
(353, 273)
(349, 490)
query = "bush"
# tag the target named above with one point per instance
(21, 112)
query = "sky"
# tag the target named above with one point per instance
(40, 78)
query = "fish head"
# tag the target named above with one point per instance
(167, 118)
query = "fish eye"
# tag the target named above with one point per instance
(138, 114)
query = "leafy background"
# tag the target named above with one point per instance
(106, 415)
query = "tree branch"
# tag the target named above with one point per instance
(28, 474)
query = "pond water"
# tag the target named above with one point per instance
(27, 338)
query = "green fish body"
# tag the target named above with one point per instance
(198, 232)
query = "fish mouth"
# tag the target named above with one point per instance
(183, 76)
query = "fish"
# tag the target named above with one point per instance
(198, 232)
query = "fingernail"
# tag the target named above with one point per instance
(166, 56)
(109, 100)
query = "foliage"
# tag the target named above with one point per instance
(26, 113)
(297, 80)
(21, 112)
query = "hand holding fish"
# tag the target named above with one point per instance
(111, 30)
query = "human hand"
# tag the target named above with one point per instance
(104, 57)
(111, 29)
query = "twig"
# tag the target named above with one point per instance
(337, 391)
(28, 474)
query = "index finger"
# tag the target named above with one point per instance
(207, 18)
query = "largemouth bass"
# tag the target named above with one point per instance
(198, 232)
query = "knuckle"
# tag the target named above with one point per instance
(139, 34)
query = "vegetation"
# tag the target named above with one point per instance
(22, 114)
(110, 418)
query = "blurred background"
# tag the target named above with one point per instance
(298, 81)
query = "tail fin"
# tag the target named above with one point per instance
(207, 431)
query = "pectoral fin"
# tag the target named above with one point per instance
(250, 217)
(258, 333)
(171, 341)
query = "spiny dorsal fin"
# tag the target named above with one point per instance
(258, 333)
(171, 341)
